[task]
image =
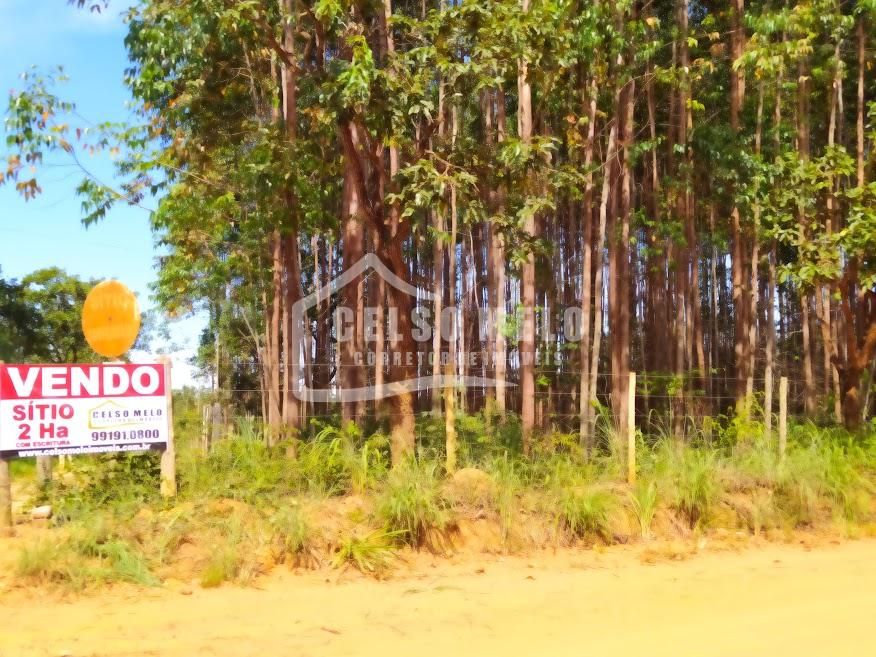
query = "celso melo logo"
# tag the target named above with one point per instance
(423, 324)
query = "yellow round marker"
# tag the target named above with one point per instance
(111, 319)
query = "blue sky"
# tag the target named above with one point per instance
(47, 231)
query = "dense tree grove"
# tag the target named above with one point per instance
(697, 180)
(40, 318)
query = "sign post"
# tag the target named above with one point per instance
(168, 456)
(5, 498)
(631, 430)
(6, 526)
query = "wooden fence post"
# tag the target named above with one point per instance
(5, 499)
(749, 396)
(631, 430)
(43, 469)
(217, 424)
(205, 427)
(768, 405)
(783, 415)
(5, 496)
(168, 457)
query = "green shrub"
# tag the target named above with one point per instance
(696, 483)
(224, 566)
(337, 461)
(373, 553)
(587, 511)
(643, 500)
(508, 475)
(410, 503)
(235, 468)
(87, 555)
(47, 561)
(294, 536)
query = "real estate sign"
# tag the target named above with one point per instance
(48, 410)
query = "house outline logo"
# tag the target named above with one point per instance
(299, 310)
(132, 420)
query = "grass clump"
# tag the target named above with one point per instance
(224, 566)
(84, 556)
(121, 560)
(338, 461)
(236, 468)
(48, 562)
(586, 511)
(372, 554)
(508, 476)
(294, 537)
(410, 505)
(643, 500)
(696, 482)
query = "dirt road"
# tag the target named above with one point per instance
(773, 601)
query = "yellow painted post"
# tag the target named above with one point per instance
(631, 430)
(168, 457)
(783, 415)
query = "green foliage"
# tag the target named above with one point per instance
(249, 507)
(410, 503)
(18, 323)
(92, 554)
(91, 482)
(586, 511)
(508, 475)
(643, 500)
(695, 477)
(294, 536)
(338, 461)
(373, 553)
(223, 566)
(236, 468)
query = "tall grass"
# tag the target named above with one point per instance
(411, 504)
(643, 500)
(294, 537)
(91, 554)
(586, 511)
(372, 553)
(253, 506)
(693, 478)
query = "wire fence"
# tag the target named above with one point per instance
(683, 403)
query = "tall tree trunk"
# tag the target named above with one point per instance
(754, 286)
(437, 307)
(770, 351)
(272, 339)
(291, 344)
(859, 123)
(349, 335)
(803, 151)
(741, 303)
(808, 378)
(619, 256)
(497, 246)
(527, 338)
(291, 414)
(829, 328)
(607, 172)
(450, 370)
(587, 269)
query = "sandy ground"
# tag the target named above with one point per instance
(771, 600)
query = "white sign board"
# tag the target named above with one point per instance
(48, 410)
